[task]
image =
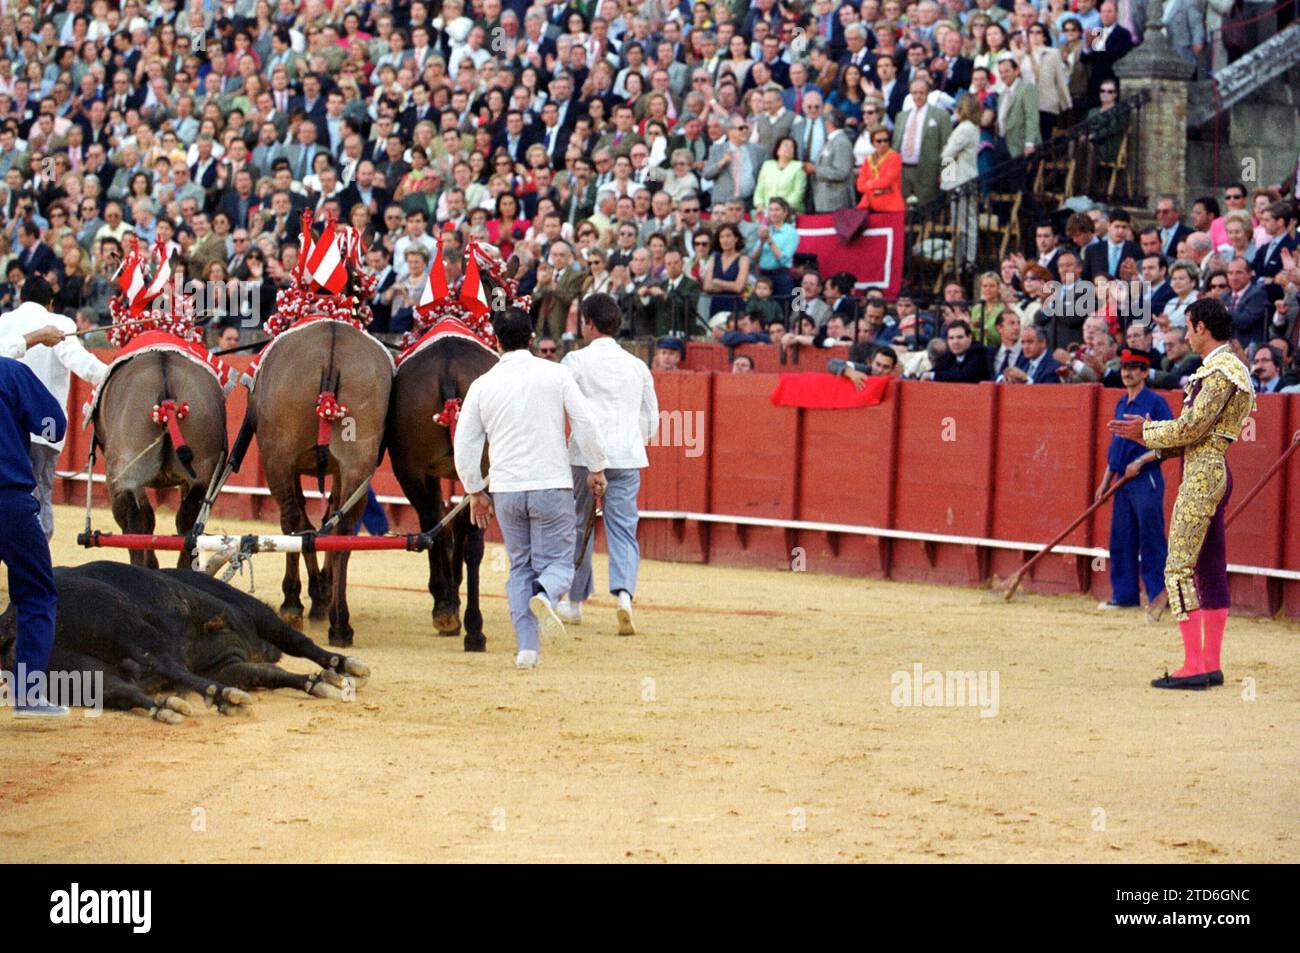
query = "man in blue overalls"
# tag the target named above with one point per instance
(27, 408)
(1137, 521)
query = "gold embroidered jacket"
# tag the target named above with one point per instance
(1219, 399)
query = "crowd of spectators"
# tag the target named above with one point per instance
(655, 150)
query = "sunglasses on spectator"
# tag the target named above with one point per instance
(1107, 92)
(546, 350)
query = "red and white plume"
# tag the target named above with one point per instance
(473, 294)
(131, 278)
(162, 277)
(324, 263)
(435, 287)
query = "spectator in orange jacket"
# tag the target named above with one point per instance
(880, 180)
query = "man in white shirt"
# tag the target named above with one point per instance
(519, 408)
(31, 323)
(622, 395)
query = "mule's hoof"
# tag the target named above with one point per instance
(446, 623)
(292, 618)
(476, 643)
(166, 716)
(178, 705)
(236, 696)
(341, 639)
(319, 610)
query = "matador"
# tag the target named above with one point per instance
(1218, 400)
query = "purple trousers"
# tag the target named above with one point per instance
(1212, 564)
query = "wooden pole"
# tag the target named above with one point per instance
(1014, 583)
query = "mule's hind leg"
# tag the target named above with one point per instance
(135, 515)
(442, 584)
(288, 496)
(187, 514)
(475, 640)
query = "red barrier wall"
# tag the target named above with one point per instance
(985, 461)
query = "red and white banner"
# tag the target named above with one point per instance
(874, 257)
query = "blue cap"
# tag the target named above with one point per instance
(671, 344)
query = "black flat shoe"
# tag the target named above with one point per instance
(1215, 677)
(1186, 681)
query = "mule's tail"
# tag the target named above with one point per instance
(169, 413)
(330, 411)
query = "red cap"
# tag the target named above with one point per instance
(1129, 356)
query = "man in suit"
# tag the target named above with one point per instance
(1046, 243)
(809, 131)
(733, 164)
(920, 133)
(856, 53)
(623, 138)
(1247, 304)
(553, 136)
(774, 123)
(1155, 278)
(1007, 355)
(302, 153)
(1035, 365)
(1276, 219)
(1266, 370)
(1180, 362)
(1104, 46)
(363, 191)
(965, 362)
(1169, 215)
(674, 297)
(951, 70)
(238, 203)
(1105, 258)
(833, 170)
(36, 258)
(1017, 122)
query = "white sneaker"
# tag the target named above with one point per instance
(570, 613)
(527, 658)
(40, 708)
(625, 624)
(544, 612)
(1109, 606)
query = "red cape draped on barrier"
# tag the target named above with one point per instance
(826, 392)
(875, 257)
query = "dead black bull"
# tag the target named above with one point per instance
(157, 634)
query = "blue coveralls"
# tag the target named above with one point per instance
(1137, 522)
(26, 407)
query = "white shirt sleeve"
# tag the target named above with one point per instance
(14, 346)
(73, 355)
(649, 406)
(582, 422)
(470, 437)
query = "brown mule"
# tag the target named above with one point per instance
(332, 357)
(421, 454)
(140, 453)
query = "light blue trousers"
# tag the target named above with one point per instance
(537, 526)
(620, 518)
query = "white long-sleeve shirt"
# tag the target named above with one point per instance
(622, 395)
(53, 365)
(518, 408)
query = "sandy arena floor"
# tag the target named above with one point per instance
(751, 721)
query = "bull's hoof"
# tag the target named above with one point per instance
(178, 705)
(446, 623)
(292, 618)
(355, 667)
(231, 710)
(475, 643)
(166, 716)
(236, 696)
(330, 677)
(322, 689)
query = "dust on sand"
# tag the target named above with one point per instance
(750, 720)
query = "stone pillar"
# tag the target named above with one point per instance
(1161, 133)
